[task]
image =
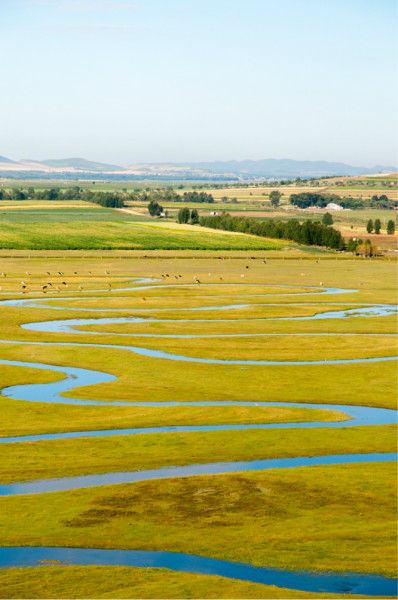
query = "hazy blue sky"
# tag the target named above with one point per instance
(172, 80)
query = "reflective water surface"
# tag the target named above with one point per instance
(349, 583)
(76, 377)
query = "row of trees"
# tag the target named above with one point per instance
(376, 226)
(311, 233)
(197, 197)
(266, 183)
(373, 202)
(168, 195)
(108, 199)
(112, 199)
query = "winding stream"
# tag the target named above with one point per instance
(352, 583)
(77, 377)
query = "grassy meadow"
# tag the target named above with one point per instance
(127, 582)
(336, 518)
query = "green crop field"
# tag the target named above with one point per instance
(66, 215)
(91, 235)
(238, 308)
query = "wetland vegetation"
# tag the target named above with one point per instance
(346, 520)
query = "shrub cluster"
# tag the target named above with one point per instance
(311, 233)
(362, 248)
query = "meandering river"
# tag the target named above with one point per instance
(77, 377)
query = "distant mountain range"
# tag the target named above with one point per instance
(271, 168)
(79, 164)
(245, 170)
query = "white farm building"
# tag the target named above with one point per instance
(333, 206)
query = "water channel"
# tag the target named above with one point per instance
(77, 377)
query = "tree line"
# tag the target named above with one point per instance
(107, 199)
(114, 199)
(373, 202)
(171, 196)
(375, 226)
(311, 233)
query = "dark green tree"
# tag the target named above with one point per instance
(369, 226)
(390, 227)
(377, 226)
(154, 208)
(327, 219)
(18, 194)
(183, 215)
(275, 197)
(194, 216)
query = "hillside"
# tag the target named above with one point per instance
(245, 170)
(79, 163)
